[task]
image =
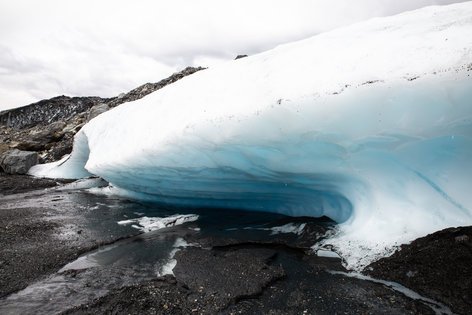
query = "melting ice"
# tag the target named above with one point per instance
(147, 224)
(370, 125)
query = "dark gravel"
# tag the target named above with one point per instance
(253, 280)
(41, 231)
(14, 184)
(226, 277)
(438, 265)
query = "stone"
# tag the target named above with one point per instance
(18, 162)
(97, 110)
(462, 239)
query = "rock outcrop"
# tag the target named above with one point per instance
(240, 56)
(148, 88)
(60, 108)
(97, 110)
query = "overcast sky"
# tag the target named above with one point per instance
(105, 47)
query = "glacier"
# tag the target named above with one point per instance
(369, 125)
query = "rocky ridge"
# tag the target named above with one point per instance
(60, 108)
(48, 126)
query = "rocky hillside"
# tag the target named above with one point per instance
(60, 108)
(48, 126)
(148, 88)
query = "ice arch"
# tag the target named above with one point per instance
(370, 125)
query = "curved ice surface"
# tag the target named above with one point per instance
(370, 125)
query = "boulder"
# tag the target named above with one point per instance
(18, 162)
(97, 110)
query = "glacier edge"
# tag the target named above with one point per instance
(380, 142)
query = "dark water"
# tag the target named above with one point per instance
(130, 260)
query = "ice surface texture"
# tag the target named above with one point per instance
(370, 125)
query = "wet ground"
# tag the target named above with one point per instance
(63, 251)
(438, 265)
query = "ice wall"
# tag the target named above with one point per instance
(370, 125)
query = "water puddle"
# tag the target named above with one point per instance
(132, 260)
(126, 262)
(437, 307)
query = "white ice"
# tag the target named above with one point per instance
(168, 267)
(282, 229)
(288, 228)
(327, 253)
(86, 183)
(149, 224)
(370, 125)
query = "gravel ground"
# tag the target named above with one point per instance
(222, 272)
(41, 231)
(438, 265)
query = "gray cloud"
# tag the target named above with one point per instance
(87, 47)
